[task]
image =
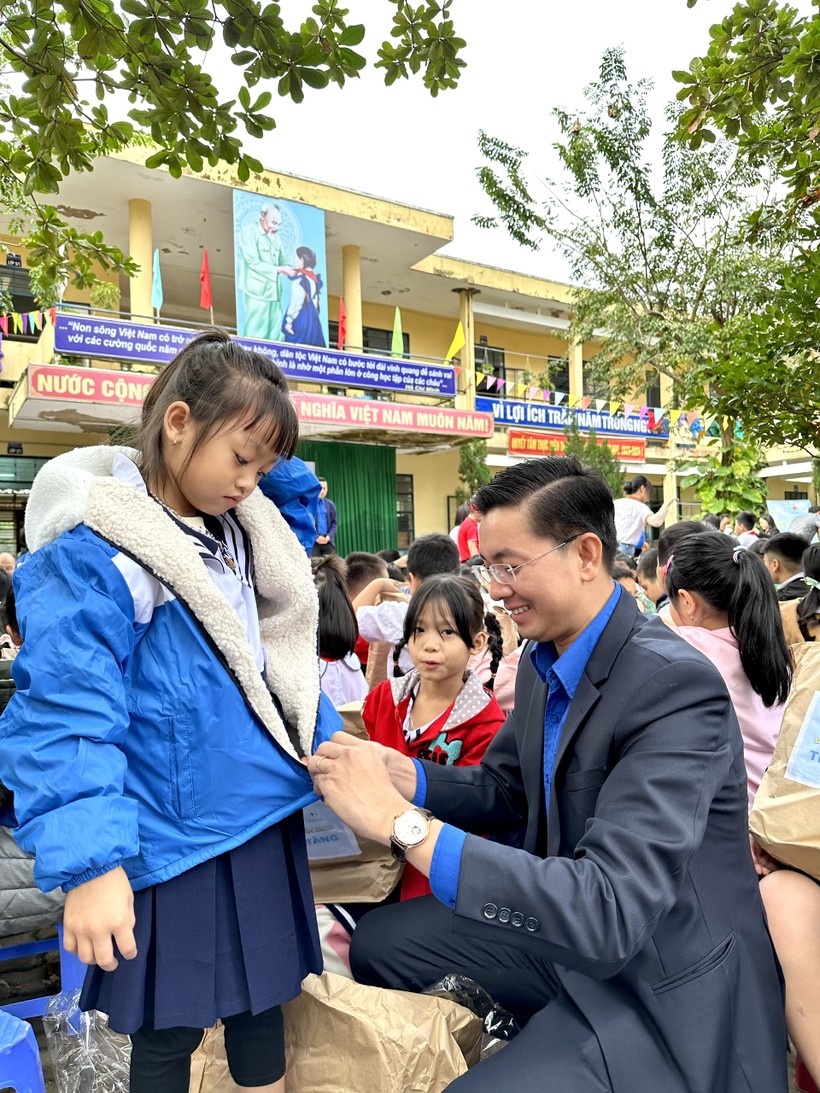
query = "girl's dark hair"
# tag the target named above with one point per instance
(809, 607)
(734, 582)
(462, 512)
(636, 483)
(8, 614)
(460, 599)
(338, 630)
(221, 383)
(308, 257)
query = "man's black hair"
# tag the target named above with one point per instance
(788, 547)
(562, 497)
(362, 568)
(746, 518)
(648, 563)
(433, 553)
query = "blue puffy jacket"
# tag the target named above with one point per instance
(142, 733)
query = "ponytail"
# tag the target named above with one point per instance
(397, 648)
(338, 629)
(734, 582)
(495, 643)
(809, 607)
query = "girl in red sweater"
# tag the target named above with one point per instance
(440, 710)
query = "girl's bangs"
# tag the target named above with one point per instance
(271, 413)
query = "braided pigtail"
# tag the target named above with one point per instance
(495, 643)
(397, 672)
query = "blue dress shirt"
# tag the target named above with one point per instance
(321, 517)
(562, 674)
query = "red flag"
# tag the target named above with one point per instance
(205, 298)
(340, 341)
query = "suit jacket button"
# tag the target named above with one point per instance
(490, 910)
(532, 924)
(517, 919)
(504, 915)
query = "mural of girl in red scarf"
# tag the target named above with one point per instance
(302, 324)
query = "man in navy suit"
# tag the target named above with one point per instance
(627, 931)
(325, 524)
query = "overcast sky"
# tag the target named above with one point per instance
(524, 57)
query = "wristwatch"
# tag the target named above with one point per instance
(410, 829)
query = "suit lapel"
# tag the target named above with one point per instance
(585, 699)
(615, 635)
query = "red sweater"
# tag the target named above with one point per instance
(460, 736)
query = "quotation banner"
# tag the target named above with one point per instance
(147, 343)
(532, 444)
(538, 415)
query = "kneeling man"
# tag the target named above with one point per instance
(615, 905)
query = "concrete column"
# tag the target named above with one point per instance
(141, 246)
(352, 293)
(576, 371)
(465, 387)
(670, 482)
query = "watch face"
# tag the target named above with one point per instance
(410, 828)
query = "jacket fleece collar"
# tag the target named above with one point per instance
(79, 488)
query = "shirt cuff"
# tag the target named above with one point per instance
(420, 795)
(446, 864)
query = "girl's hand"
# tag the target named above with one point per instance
(96, 912)
(764, 863)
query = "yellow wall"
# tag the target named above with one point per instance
(431, 335)
(434, 477)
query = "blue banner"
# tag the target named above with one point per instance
(538, 415)
(115, 339)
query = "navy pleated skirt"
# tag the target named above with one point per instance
(234, 934)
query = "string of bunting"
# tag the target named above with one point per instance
(26, 322)
(532, 393)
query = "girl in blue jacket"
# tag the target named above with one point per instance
(166, 691)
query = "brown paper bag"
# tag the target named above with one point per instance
(784, 818)
(368, 877)
(342, 1037)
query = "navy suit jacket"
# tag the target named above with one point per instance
(636, 882)
(332, 521)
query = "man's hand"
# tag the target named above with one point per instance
(363, 782)
(354, 782)
(322, 539)
(98, 914)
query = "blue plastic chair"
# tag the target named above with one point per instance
(72, 973)
(19, 1056)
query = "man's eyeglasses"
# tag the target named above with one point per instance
(505, 574)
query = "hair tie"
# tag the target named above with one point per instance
(736, 553)
(811, 582)
(668, 565)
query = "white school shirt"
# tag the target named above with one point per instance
(630, 519)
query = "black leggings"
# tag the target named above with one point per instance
(254, 1044)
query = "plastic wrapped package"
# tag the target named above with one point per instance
(86, 1055)
(499, 1024)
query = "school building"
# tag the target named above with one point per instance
(382, 422)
